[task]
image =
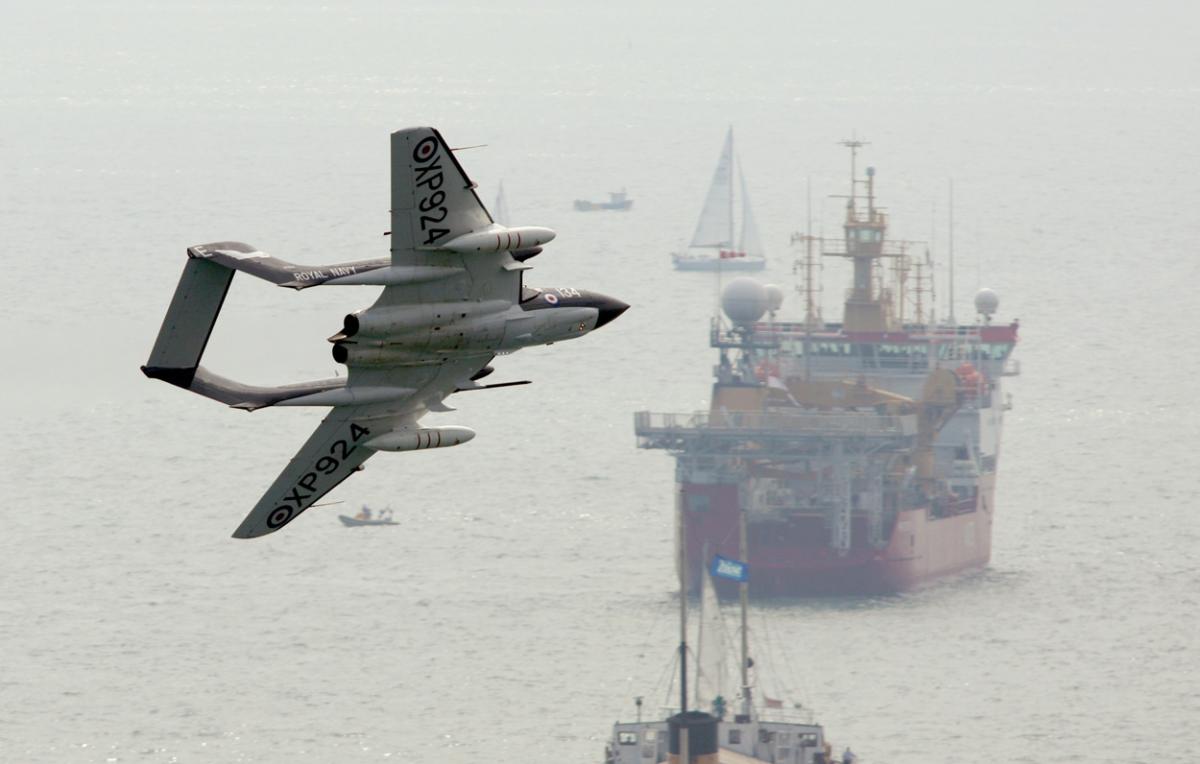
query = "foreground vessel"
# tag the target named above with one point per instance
(863, 452)
(744, 726)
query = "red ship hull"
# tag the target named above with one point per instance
(792, 557)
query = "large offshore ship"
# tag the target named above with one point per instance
(861, 456)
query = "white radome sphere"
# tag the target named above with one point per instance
(744, 300)
(986, 302)
(774, 297)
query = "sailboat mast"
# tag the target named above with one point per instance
(744, 593)
(731, 163)
(683, 588)
(705, 583)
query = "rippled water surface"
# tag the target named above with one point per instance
(526, 596)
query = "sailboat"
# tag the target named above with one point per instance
(500, 208)
(759, 731)
(713, 245)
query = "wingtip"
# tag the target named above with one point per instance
(245, 531)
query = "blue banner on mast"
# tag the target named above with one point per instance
(734, 570)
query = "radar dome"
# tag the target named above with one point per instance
(774, 297)
(986, 302)
(744, 300)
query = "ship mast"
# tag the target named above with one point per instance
(900, 269)
(865, 310)
(951, 254)
(919, 290)
(810, 314)
(812, 307)
(812, 311)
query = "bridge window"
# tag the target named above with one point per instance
(833, 348)
(999, 350)
(627, 738)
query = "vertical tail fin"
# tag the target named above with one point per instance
(189, 322)
(184, 335)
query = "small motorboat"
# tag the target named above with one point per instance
(367, 517)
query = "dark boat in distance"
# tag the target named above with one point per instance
(617, 200)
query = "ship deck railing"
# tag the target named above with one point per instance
(678, 430)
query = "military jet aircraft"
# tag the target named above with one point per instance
(453, 298)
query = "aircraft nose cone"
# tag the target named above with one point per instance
(609, 309)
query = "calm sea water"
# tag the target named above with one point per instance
(526, 596)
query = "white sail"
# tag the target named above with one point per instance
(714, 674)
(750, 242)
(715, 228)
(500, 209)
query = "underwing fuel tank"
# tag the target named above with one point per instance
(500, 239)
(421, 438)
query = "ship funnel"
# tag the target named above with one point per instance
(986, 302)
(744, 300)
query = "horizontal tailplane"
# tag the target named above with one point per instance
(184, 335)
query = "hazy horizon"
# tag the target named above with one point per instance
(527, 596)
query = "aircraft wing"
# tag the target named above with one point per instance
(339, 447)
(330, 455)
(434, 203)
(433, 200)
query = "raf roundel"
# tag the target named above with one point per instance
(425, 149)
(552, 299)
(279, 517)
